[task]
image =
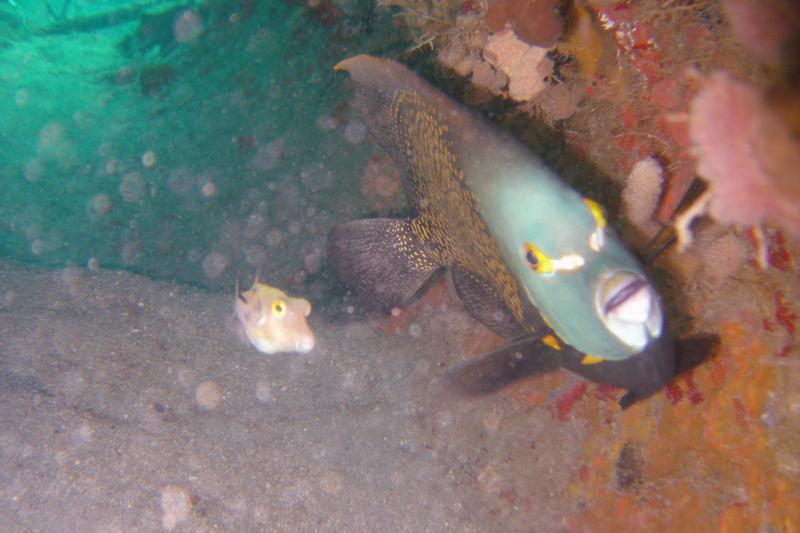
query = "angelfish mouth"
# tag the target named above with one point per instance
(629, 308)
(624, 294)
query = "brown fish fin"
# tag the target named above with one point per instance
(485, 304)
(380, 260)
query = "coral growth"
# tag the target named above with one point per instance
(763, 26)
(747, 155)
(641, 194)
(525, 66)
(537, 22)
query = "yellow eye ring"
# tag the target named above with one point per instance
(537, 260)
(547, 266)
(278, 308)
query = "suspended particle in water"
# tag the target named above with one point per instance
(131, 253)
(268, 156)
(313, 262)
(103, 99)
(176, 504)
(188, 26)
(327, 123)
(208, 189)
(194, 255)
(9, 298)
(331, 482)
(355, 132)
(102, 204)
(274, 237)
(50, 137)
(149, 159)
(22, 97)
(208, 395)
(214, 264)
(255, 255)
(255, 225)
(180, 181)
(93, 264)
(294, 227)
(132, 187)
(299, 277)
(34, 170)
(396, 312)
(37, 247)
(104, 150)
(264, 391)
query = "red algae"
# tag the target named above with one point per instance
(777, 253)
(565, 401)
(784, 315)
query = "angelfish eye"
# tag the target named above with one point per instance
(533, 261)
(547, 266)
(538, 261)
(278, 308)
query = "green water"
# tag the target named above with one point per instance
(190, 141)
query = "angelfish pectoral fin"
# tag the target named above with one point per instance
(484, 304)
(495, 370)
(380, 260)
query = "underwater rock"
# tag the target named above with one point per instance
(537, 22)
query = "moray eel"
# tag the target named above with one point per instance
(529, 257)
(272, 321)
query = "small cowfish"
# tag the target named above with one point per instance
(273, 321)
(529, 257)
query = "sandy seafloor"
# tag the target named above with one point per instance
(101, 427)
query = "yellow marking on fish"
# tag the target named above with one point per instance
(552, 342)
(598, 237)
(542, 263)
(597, 212)
(591, 359)
(273, 321)
(449, 221)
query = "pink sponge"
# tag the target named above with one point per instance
(747, 154)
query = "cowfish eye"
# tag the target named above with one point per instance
(598, 237)
(278, 308)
